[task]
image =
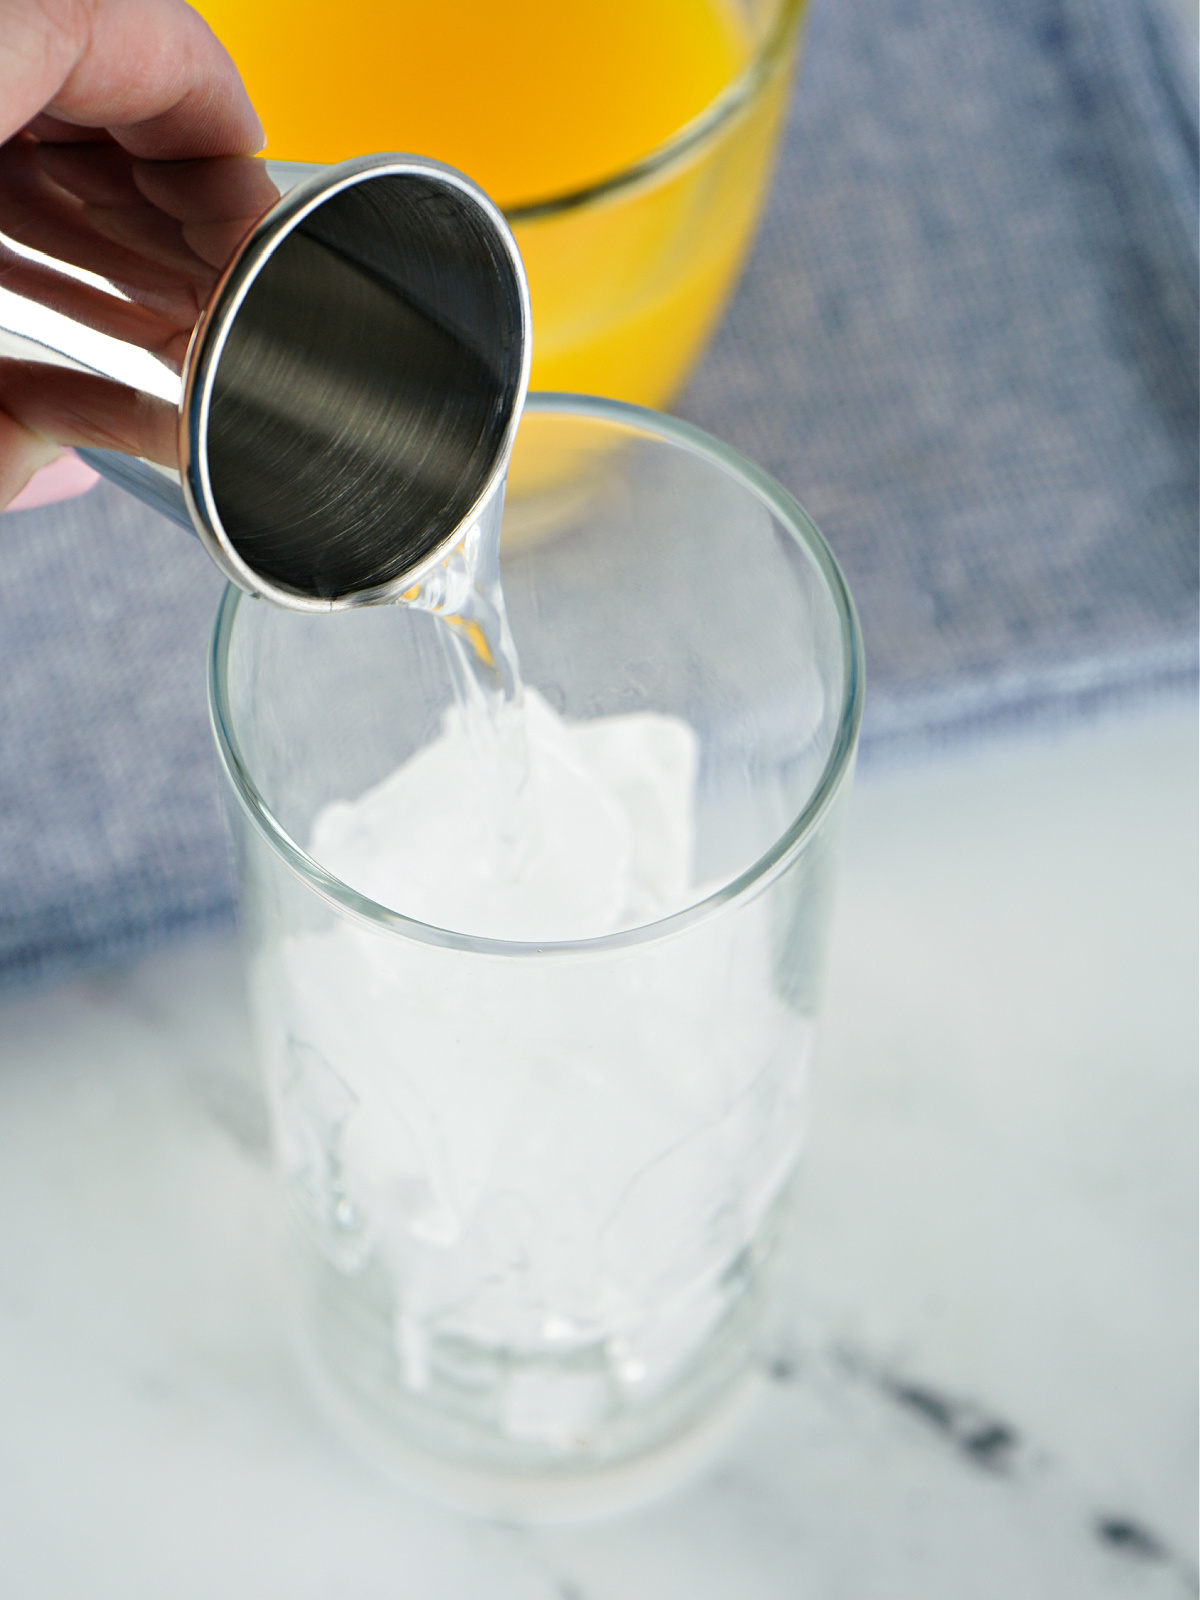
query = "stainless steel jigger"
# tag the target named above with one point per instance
(318, 369)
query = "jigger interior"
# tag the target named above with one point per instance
(353, 389)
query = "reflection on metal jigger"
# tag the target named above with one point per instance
(318, 369)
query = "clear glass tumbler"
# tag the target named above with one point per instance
(537, 1184)
(633, 202)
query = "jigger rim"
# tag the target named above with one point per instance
(211, 334)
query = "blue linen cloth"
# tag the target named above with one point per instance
(967, 340)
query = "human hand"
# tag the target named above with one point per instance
(148, 76)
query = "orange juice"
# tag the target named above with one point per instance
(538, 100)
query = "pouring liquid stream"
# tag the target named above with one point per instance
(517, 821)
(465, 595)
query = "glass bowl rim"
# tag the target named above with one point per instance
(722, 108)
(789, 844)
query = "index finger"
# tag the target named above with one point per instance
(150, 72)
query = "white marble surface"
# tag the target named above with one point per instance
(989, 1334)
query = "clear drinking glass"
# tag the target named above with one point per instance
(633, 201)
(537, 1185)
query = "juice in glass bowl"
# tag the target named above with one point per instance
(628, 141)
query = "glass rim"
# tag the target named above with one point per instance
(786, 847)
(722, 108)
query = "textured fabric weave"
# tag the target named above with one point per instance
(967, 340)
